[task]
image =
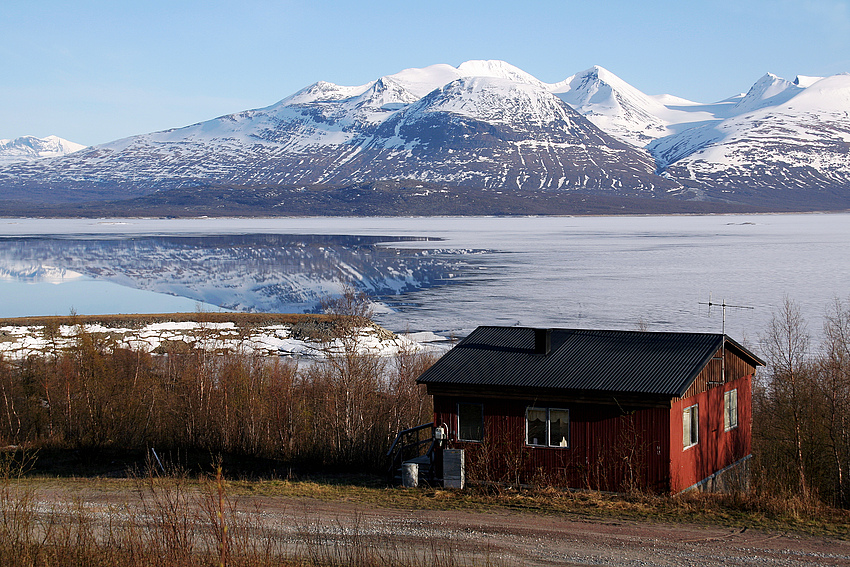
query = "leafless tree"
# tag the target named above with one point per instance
(786, 344)
(834, 386)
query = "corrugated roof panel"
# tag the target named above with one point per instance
(610, 361)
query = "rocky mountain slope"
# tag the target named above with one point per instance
(488, 126)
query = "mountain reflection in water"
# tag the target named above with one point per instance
(253, 272)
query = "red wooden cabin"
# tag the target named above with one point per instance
(608, 410)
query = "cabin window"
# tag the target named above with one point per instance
(470, 422)
(547, 427)
(730, 410)
(690, 426)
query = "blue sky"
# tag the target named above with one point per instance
(94, 71)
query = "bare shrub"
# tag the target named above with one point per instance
(340, 413)
(18, 514)
(801, 440)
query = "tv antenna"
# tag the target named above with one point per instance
(723, 305)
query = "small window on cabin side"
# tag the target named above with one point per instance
(547, 427)
(559, 428)
(470, 422)
(535, 419)
(730, 410)
(690, 426)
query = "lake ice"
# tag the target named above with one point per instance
(453, 273)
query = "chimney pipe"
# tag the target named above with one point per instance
(542, 341)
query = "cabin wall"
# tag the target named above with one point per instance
(716, 448)
(713, 373)
(611, 447)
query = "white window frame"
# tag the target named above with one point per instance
(548, 428)
(730, 410)
(690, 426)
(459, 424)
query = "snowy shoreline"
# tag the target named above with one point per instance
(20, 341)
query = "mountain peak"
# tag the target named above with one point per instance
(323, 91)
(613, 105)
(497, 69)
(498, 100)
(421, 81)
(769, 90)
(27, 148)
(601, 73)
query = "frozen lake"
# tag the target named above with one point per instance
(441, 274)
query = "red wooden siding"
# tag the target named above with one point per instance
(611, 448)
(712, 375)
(716, 448)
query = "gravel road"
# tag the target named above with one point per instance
(500, 537)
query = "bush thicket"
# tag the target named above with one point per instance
(801, 408)
(342, 413)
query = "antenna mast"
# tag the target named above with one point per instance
(723, 306)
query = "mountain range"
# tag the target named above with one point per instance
(443, 138)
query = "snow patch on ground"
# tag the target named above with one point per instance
(18, 342)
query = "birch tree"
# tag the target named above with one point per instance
(834, 386)
(786, 343)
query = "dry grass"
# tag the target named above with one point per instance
(178, 521)
(311, 326)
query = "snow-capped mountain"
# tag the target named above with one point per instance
(781, 143)
(27, 148)
(490, 125)
(614, 106)
(483, 124)
(625, 112)
(783, 138)
(770, 90)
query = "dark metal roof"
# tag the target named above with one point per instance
(605, 361)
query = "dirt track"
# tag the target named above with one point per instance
(526, 539)
(511, 538)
